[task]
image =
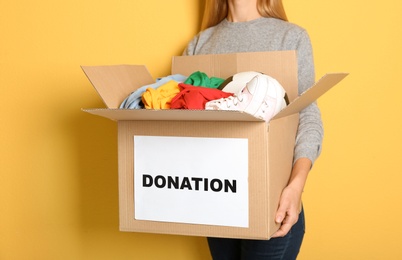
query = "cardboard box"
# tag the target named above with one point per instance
(269, 154)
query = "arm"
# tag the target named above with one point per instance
(308, 143)
(290, 203)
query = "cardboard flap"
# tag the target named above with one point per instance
(114, 83)
(172, 115)
(310, 95)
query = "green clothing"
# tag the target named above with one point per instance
(200, 79)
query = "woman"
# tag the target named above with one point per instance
(261, 25)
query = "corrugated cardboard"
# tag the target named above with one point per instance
(270, 145)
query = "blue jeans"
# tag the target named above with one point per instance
(281, 248)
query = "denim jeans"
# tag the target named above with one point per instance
(281, 248)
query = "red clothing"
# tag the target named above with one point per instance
(194, 97)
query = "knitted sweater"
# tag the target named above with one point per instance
(270, 34)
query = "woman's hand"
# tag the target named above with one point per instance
(288, 211)
(290, 202)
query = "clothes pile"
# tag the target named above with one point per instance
(251, 92)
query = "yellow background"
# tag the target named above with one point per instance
(58, 165)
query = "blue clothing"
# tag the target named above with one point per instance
(281, 248)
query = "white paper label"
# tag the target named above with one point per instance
(191, 180)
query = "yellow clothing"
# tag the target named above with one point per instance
(160, 97)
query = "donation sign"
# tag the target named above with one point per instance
(191, 180)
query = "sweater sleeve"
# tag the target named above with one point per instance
(310, 132)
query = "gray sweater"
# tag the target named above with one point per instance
(270, 34)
